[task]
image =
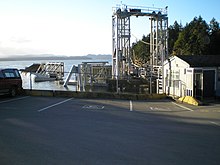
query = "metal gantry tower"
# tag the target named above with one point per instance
(121, 35)
(121, 43)
(158, 39)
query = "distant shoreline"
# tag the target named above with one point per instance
(40, 57)
(43, 58)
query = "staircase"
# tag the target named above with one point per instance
(158, 76)
(159, 80)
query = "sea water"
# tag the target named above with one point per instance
(27, 78)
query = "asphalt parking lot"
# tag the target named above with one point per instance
(52, 130)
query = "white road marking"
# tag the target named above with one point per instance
(159, 109)
(214, 123)
(20, 98)
(43, 109)
(131, 106)
(182, 106)
(93, 107)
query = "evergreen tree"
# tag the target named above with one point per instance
(194, 38)
(214, 33)
(141, 50)
(173, 32)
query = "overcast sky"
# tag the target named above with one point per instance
(72, 27)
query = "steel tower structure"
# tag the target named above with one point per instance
(158, 38)
(121, 35)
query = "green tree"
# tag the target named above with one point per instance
(213, 26)
(194, 38)
(214, 35)
(173, 32)
(141, 50)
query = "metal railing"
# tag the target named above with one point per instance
(88, 83)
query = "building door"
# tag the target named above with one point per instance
(208, 83)
(198, 79)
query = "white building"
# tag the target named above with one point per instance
(192, 75)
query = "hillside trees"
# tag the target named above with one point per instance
(173, 32)
(214, 34)
(195, 38)
(141, 50)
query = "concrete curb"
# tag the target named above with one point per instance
(106, 95)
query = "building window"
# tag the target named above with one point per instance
(167, 78)
(189, 71)
(175, 79)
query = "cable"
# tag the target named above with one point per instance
(142, 40)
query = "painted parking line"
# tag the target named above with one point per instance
(218, 111)
(15, 99)
(182, 106)
(53, 105)
(214, 123)
(131, 105)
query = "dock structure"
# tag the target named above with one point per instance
(91, 74)
(121, 35)
(53, 69)
(46, 71)
(73, 70)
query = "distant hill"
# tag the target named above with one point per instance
(54, 57)
(100, 56)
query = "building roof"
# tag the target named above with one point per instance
(201, 60)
